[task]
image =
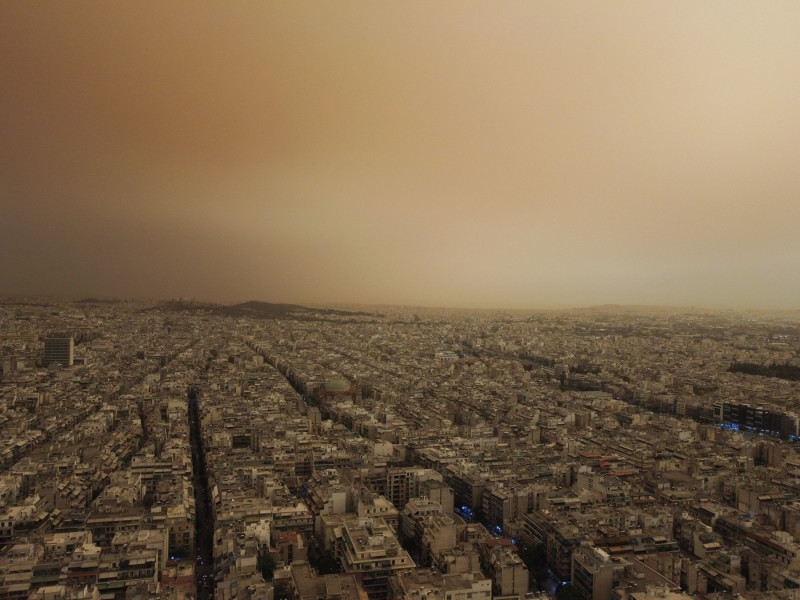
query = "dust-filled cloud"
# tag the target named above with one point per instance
(454, 153)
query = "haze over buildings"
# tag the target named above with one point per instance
(454, 153)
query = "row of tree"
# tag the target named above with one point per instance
(781, 371)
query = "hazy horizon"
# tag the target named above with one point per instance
(452, 154)
(647, 309)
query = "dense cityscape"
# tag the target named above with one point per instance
(187, 450)
(226, 228)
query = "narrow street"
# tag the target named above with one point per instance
(204, 513)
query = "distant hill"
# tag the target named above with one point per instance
(255, 309)
(268, 310)
(99, 301)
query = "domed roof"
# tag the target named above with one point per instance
(337, 385)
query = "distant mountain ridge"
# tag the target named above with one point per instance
(256, 309)
(99, 301)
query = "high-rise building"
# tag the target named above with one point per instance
(368, 548)
(592, 572)
(59, 350)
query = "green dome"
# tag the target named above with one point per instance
(337, 385)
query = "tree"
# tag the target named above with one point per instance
(267, 564)
(535, 558)
(283, 591)
(323, 562)
(568, 591)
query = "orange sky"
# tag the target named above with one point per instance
(470, 154)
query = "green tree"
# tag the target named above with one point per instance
(323, 562)
(267, 564)
(535, 558)
(283, 591)
(568, 592)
